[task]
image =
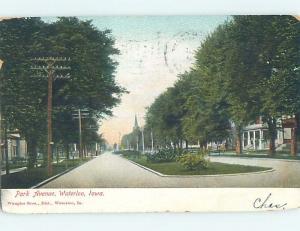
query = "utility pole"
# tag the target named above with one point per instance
(80, 133)
(80, 114)
(50, 69)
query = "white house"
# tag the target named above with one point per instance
(16, 147)
(255, 136)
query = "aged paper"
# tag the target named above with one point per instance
(150, 113)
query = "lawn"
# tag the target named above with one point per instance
(282, 156)
(175, 168)
(31, 177)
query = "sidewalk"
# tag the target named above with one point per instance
(3, 172)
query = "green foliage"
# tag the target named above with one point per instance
(92, 84)
(248, 67)
(164, 155)
(129, 153)
(175, 168)
(31, 177)
(163, 117)
(194, 161)
(132, 140)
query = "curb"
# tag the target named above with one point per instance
(258, 158)
(148, 169)
(191, 176)
(56, 176)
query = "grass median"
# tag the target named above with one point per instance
(214, 168)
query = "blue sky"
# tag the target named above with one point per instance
(154, 50)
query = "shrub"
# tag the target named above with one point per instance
(164, 155)
(194, 161)
(128, 153)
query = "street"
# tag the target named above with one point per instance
(112, 171)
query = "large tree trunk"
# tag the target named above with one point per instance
(32, 152)
(67, 148)
(57, 154)
(294, 142)
(272, 135)
(295, 136)
(181, 143)
(186, 144)
(272, 149)
(6, 151)
(85, 151)
(203, 145)
(297, 120)
(175, 145)
(238, 145)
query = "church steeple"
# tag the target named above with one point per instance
(136, 125)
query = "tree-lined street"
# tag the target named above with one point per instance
(49, 70)
(112, 171)
(246, 70)
(61, 79)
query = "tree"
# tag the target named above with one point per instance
(164, 119)
(251, 64)
(21, 99)
(271, 55)
(92, 84)
(182, 113)
(205, 121)
(221, 78)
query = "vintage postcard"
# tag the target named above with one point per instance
(150, 113)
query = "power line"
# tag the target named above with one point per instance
(80, 114)
(50, 69)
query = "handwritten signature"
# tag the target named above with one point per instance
(265, 203)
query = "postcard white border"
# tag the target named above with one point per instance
(149, 200)
(221, 221)
(141, 7)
